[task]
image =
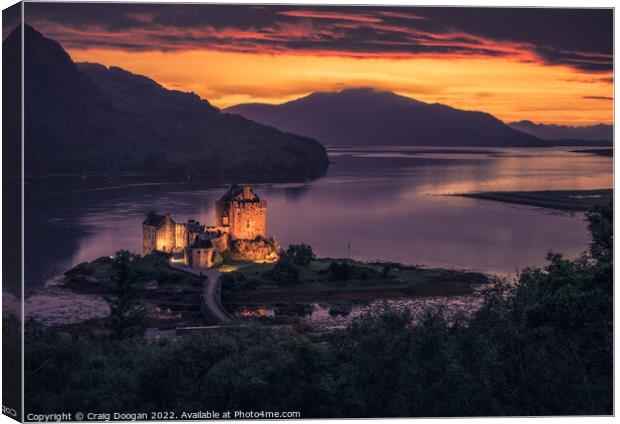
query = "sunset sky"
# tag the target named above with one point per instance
(545, 65)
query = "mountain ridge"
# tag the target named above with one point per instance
(88, 118)
(366, 116)
(597, 132)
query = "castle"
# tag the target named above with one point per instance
(240, 232)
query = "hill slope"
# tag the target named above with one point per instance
(369, 117)
(89, 118)
(600, 132)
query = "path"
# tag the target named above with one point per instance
(213, 310)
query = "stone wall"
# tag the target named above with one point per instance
(191, 237)
(257, 250)
(221, 213)
(166, 235)
(149, 239)
(200, 257)
(181, 237)
(220, 244)
(248, 220)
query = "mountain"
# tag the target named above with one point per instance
(87, 118)
(365, 116)
(600, 132)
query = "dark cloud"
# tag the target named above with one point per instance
(580, 38)
(587, 61)
(597, 98)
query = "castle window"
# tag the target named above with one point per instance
(248, 224)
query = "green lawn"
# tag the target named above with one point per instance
(251, 283)
(568, 200)
(95, 276)
(171, 297)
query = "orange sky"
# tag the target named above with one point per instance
(542, 64)
(508, 88)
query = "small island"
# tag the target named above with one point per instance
(597, 152)
(564, 200)
(193, 276)
(324, 279)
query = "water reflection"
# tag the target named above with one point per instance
(337, 315)
(390, 204)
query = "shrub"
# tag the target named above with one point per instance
(299, 254)
(218, 259)
(251, 284)
(127, 314)
(341, 271)
(228, 279)
(284, 272)
(238, 275)
(385, 271)
(163, 278)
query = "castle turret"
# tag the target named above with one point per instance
(242, 212)
(248, 194)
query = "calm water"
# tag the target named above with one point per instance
(388, 203)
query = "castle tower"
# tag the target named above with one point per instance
(242, 212)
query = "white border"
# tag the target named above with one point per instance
(485, 3)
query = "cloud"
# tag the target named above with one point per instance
(318, 14)
(401, 15)
(597, 98)
(584, 61)
(581, 39)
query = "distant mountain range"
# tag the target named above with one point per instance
(86, 118)
(366, 116)
(592, 133)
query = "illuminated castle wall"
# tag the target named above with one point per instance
(242, 211)
(161, 233)
(240, 216)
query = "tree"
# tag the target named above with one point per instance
(600, 226)
(299, 254)
(127, 315)
(385, 270)
(342, 271)
(218, 259)
(284, 272)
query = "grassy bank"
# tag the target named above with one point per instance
(171, 297)
(567, 200)
(320, 280)
(598, 152)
